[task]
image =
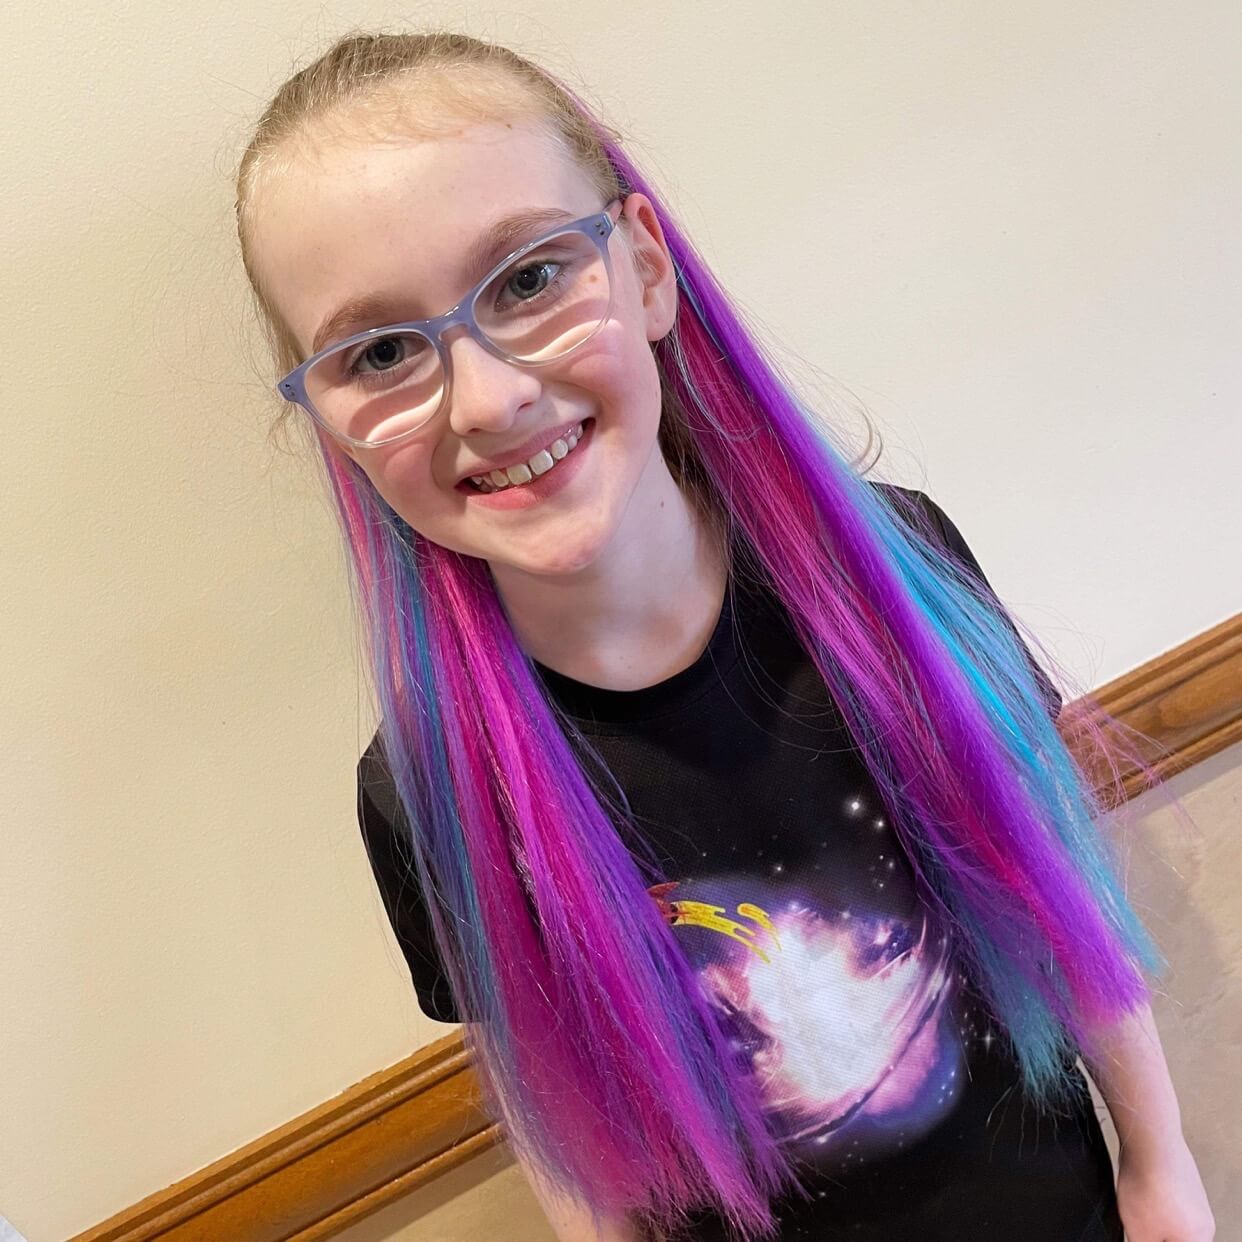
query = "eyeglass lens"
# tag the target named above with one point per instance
(540, 307)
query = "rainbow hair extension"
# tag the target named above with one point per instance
(595, 1046)
(594, 1042)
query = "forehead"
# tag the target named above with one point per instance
(354, 215)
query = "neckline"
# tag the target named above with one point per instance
(588, 704)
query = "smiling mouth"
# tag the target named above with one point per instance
(535, 467)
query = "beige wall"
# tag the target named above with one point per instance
(1010, 227)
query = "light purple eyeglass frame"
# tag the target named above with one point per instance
(598, 228)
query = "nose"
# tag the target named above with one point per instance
(486, 393)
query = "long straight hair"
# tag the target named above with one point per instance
(597, 1049)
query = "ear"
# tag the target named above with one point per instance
(654, 265)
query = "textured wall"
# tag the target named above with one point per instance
(1011, 227)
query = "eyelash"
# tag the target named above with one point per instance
(533, 264)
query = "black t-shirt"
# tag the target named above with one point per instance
(891, 1084)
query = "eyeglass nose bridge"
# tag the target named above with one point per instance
(455, 323)
(460, 317)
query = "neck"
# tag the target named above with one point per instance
(617, 623)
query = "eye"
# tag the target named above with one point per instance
(384, 354)
(531, 279)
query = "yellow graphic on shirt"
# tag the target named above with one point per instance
(702, 914)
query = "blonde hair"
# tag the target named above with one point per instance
(364, 85)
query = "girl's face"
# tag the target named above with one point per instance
(355, 219)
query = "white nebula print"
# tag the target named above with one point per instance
(842, 1017)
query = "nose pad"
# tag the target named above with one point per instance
(485, 392)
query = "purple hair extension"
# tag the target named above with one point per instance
(596, 1048)
(935, 687)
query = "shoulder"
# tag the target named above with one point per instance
(379, 807)
(921, 510)
(904, 499)
(918, 509)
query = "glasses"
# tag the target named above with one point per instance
(539, 304)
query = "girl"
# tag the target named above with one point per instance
(714, 791)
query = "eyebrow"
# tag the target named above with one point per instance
(497, 240)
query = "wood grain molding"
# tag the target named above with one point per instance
(405, 1125)
(1188, 702)
(310, 1178)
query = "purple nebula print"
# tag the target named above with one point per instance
(844, 1015)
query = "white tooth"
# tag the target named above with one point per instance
(499, 477)
(558, 449)
(519, 473)
(572, 440)
(478, 479)
(485, 486)
(578, 431)
(542, 462)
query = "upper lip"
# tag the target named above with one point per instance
(521, 453)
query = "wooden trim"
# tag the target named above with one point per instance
(1185, 705)
(310, 1178)
(407, 1124)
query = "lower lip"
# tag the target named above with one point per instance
(540, 488)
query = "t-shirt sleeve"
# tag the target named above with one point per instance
(955, 543)
(382, 821)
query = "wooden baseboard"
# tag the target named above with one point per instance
(407, 1124)
(393, 1131)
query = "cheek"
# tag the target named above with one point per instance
(619, 374)
(402, 476)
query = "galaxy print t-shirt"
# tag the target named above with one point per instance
(795, 902)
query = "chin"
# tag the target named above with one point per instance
(561, 562)
(563, 552)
